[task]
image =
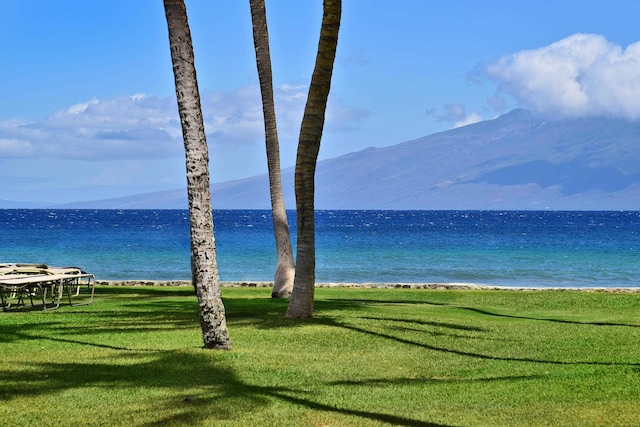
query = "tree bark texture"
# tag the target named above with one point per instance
(285, 268)
(302, 298)
(204, 268)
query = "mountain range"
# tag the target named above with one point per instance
(517, 161)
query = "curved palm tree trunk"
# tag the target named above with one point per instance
(285, 269)
(301, 304)
(204, 267)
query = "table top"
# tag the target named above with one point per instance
(25, 279)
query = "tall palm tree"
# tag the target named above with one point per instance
(301, 304)
(204, 267)
(285, 268)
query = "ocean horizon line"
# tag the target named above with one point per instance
(489, 248)
(322, 210)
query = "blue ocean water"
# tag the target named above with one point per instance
(508, 248)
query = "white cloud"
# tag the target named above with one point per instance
(468, 120)
(452, 113)
(14, 147)
(147, 127)
(81, 108)
(456, 114)
(343, 118)
(581, 75)
(119, 128)
(233, 117)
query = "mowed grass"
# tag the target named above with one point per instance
(369, 357)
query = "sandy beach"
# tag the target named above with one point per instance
(445, 286)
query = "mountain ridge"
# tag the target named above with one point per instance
(516, 161)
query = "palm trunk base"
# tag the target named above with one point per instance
(213, 343)
(214, 327)
(302, 298)
(283, 281)
(299, 309)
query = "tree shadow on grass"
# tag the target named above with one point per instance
(483, 311)
(271, 318)
(572, 322)
(438, 329)
(146, 291)
(201, 389)
(446, 325)
(24, 333)
(387, 382)
(64, 325)
(332, 322)
(135, 371)
(267, 313)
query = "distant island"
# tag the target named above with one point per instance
(515, 162)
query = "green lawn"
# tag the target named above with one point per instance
(369, 357)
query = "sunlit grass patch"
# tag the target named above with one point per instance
(369, 357)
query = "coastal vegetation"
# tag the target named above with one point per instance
(413, 357)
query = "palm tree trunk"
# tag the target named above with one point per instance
(204, 267)
(301, 304)
(285, 268)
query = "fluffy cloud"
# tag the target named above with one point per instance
(581, 75)
(143, 127)
(127, 127)
(468, 120)
(233, 118)
(455, 114)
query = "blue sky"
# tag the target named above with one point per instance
(88, 108)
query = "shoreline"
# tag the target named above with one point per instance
(377, 285)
